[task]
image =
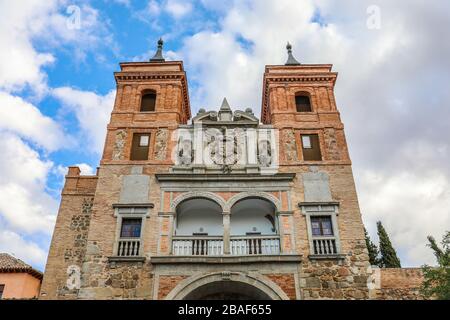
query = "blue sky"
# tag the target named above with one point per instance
(57, 90)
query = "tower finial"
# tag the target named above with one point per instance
(158, 57)
(291, 61)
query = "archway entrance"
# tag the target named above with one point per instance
(227, 290)
(227, 285)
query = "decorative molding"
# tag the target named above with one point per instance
(316, 208)
(114, 260)
(163, 177)
(326, 257)
(285, 213)
(197, 194)
(166, 214)
(253, 194)
(133, 205)
(226, 259)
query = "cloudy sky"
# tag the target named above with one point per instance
(57, 60)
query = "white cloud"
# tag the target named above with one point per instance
(92, 112)
(25, 119)
(17, 246)
(153, 8)
(28, 20)
(178, 8)
(20, 63)
(411, 206)
(86, 170)
(24, 202)
(123, 2)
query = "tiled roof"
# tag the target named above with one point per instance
(8, 263)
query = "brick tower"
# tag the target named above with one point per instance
(219, 207)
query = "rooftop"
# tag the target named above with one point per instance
(9, 264)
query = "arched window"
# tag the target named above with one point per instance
(199, 217)
(148, 101)
(303, 103)
(253, 228)
(253, 216)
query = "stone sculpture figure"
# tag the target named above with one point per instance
(264, 153)
(185, 152)
(121, 136)
(161, 144)
(331, 143)
(290, 146)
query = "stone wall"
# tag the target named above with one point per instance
(115, 280)
(397, 284)
(335, 279)
(68, 246)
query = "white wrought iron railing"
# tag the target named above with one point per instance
(128, 247)
(324, 246)
(254, 245)
(197, 246)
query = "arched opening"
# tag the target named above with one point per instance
(199, 216)
(227, 290)
(148, 101)
(198, 228)
(303, 102)
(253, 216)
(253, 227)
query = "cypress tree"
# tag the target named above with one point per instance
(389, 257)
(372, 248)
(436, 282)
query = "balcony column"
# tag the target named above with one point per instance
(226, 232)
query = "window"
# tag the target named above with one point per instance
(311, 147)
(131, 228)
(302, 103)
(321, 226)
(140, 146)
(306, 142)
(143, 141)
(2, 288)
(148, 101)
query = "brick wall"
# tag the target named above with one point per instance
(399, 284)
(167, 283)
(286, 282)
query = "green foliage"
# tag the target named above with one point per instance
(437, 279)
(389, 257)
(372, 248)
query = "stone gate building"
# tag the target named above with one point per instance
(223, 205)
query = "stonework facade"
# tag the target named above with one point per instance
(222, 206)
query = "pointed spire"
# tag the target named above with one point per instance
(225, 106)
(225, 113)
(158, 57)
(291, 61)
